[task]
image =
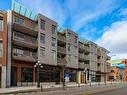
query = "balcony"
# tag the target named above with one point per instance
(25, 56)
(25, 28)
(61, 50)
(99, 52)
(61, 61)
(99, 61)
(83, 47)
(84, 57)
(83, 65)
(98, 68)
(25, 42)
(61, 38)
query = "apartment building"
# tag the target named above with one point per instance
(93, 62)
(3, 44)
(27, 38)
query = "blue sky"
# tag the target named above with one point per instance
(101, 21)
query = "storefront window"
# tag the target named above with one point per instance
(27, 74)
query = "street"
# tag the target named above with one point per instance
(84, 90)
(121, 91)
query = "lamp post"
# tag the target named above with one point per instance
(38, 65)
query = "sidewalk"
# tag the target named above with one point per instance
(44, 88)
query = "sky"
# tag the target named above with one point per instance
(101, 21)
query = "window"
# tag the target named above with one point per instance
(1, 49)
(1, 25)
(76, 39)
(19, 20)
(112, 71)
(53, 29)
(53, 42)
(26, 74)
(43, 24)
(69, 36)
(42, 38)
(69, 47)
(42, 52)
(54, 54)
(18, 52)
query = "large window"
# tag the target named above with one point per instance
(1, 49)
(42, 24)
(53, 29)
(1, 25)
(53, 42)
(27, 74)
(18, 52)
(42, 38)
(42, 52)
(49, 74)
(19, 20)
(54, 54)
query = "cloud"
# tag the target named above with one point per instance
(73, 14)
(115, 39)
(49, 8)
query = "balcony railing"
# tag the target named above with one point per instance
(83, 47)
(25, 56)
(26, 28)
(99, 61)
(82, 65)
(61, 37)
(61, 50)
(26, 41)
(83, 56)
(61, 61)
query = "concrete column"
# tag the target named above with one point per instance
(8, 72)
(34, 72)
(3, 77)
(79, 77)
(86, 77)
(18, 74)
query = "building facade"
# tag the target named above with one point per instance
(116, 74)
(93, 62)
(26, 38)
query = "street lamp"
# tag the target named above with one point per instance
(38, 65)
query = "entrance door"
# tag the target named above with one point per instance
(82, 78)
(13, 76)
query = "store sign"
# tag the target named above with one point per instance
(67, 77)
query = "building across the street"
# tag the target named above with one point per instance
(116, 74)
(27, 38)
(120, 64)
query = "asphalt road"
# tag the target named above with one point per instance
(76, 90)
(121, 91)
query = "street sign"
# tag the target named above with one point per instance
(67, 77)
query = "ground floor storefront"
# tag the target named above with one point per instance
(25, 74)
(86, 76)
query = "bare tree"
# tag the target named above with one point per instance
(62, 62)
